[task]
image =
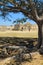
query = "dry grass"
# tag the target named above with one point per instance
(37, 60)
(21, 34)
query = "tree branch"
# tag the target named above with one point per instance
(20, 9)
(34, 11)
(16, 8)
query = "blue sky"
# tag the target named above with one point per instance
(12, 17)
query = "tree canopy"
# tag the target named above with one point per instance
(22, 20)
(30, 8)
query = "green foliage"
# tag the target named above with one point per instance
(20, 20)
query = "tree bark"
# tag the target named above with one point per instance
(41, 43)
(39, 35)
(42, 34)
(40, 38)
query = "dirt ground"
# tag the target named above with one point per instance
(37, 60)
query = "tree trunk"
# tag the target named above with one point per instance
(39, 35)
(42, 34)
(41, 39)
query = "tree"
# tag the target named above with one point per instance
(18, 23)
(22, 20)
(28, 25)
(33, 9)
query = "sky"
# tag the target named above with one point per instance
(12, 17)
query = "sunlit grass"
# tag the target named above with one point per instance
(21, 34)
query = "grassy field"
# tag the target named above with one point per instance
(21, 34)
